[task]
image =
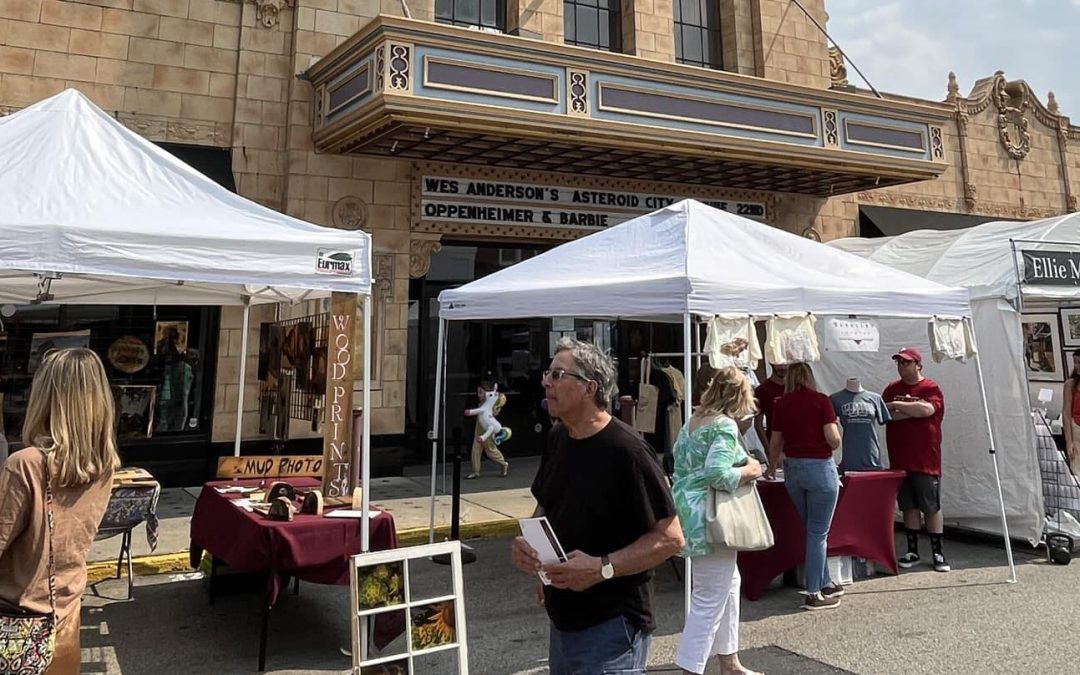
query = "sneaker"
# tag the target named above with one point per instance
(505, 469)
(940, 564)
(472, 476)
(817, 601)
(908, 560)
(833, 591)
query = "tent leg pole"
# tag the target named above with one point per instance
(365, 435)
(997, 474)
(243, 376)
(433, 435)
(688, 349)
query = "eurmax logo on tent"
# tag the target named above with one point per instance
(334, 262)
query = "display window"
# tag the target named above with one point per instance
(160, 363)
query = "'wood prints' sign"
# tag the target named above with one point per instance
(1052, 268)
(466, 200)
(270, 466)
(337, 427)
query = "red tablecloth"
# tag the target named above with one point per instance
(862, 526)
(311, 548)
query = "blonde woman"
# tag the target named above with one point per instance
(69, 434)
(805, 431)
(709, 453)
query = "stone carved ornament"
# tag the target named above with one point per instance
(420, 251)
(349, 213)
(268, 12)
(1014, 128)
(837, 68)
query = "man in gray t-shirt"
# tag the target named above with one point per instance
(858, 412)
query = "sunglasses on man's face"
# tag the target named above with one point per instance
(557, 374)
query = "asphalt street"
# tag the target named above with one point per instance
(967, 621)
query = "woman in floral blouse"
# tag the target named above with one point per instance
(709, 453)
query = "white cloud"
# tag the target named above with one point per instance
(909, 47)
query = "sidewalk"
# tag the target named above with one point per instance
(490, 507)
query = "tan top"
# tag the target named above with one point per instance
(24, 547)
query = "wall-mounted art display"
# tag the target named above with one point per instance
(1042, 347)
(43, 343)
(128, 354)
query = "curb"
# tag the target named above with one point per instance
(171, 563)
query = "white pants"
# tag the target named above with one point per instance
(712, 626)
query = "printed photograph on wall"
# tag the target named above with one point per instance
(381, 586)
(399, 667)
(1042, 347)
(42, 343)
(1070, 322)
(135, 405)
(170, 336)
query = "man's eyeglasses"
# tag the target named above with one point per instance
(557, 374)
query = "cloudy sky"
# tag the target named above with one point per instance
(909, 46)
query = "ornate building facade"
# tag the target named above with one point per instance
(466, 135)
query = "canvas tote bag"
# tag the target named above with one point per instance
(737, 520)
(27, 641)
(647, 402)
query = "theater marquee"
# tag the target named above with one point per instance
(463, 200)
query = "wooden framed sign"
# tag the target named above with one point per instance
(337, 429)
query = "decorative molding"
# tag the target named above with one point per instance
(349, 213)
(811, 233)
(1071, 203)
(971, 195)
(160, 129)
(923, 203)
(399, 67)
(953, 88)
(577, 93)
(831, 128)
(420, 251)
(937, 144)
(1013, 125)
(837, 69)
(7, 110)
(380, 69)
(320, 106)
(268, 12)
(382, 272)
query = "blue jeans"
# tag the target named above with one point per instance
(814, 486)
(613, 647)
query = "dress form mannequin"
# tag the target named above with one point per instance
(853, 385)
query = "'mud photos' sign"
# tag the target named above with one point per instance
(1052, 268)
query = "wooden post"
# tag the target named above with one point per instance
(338, 426)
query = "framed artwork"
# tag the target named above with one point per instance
(170, 335)
(1042, 347)
(135, 405)
(1070, 322)
(382, 582)
(43, 343)
(128, 354)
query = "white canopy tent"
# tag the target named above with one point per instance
(986, 259)
(692, 260)
(95, 214)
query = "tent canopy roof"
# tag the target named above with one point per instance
(693, 258)
(979, 258)
(123, 221)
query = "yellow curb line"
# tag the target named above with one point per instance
(171, 563)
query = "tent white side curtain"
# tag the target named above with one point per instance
(968, 490)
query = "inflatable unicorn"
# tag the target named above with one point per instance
(493, 430)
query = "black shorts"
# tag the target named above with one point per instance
(920, 491)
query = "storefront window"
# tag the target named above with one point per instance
(697, 33)
(159, 362)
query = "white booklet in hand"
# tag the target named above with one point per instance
(539, 535)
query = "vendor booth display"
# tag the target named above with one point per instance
(1024, 296)
(677, 264)
(95, 214)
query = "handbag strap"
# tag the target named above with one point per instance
(50, 526)
(646, 369)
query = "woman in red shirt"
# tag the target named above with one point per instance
(804, 429)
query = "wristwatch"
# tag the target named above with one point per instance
(607, 570)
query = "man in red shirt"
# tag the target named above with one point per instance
(766, 394)
(914, 439)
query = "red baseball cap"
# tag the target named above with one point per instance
(908, 354)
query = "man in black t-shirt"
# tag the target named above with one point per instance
(603, 491)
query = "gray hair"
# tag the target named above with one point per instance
(594, 365)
